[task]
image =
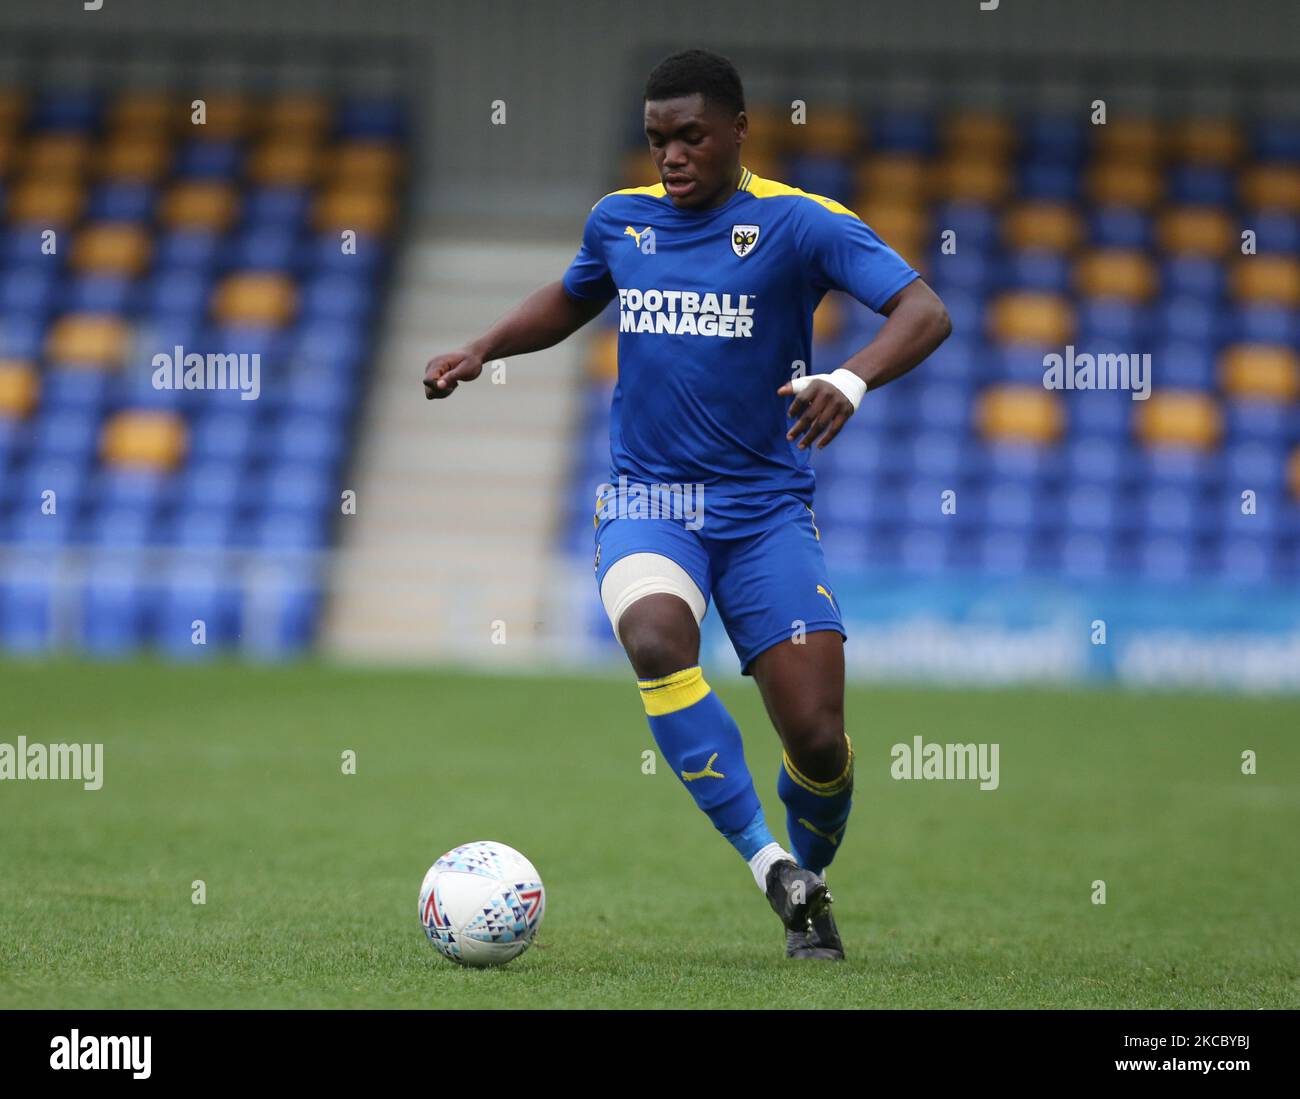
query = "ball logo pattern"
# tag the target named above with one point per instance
(482, 903)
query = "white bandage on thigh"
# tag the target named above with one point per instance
(640, 574)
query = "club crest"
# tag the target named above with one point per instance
(744, 238)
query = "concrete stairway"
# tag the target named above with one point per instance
(458, 501)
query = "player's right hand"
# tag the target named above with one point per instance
(444, 373)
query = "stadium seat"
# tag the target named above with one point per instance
(95, 340)
(1261, 372)
(1042, 225)
(1267, 278)
(150, 440)
(1173, 418)
(1116, 273)
(20, 388)
(111, 248)
(1019, 414)
(200, 205)
(253, 298)
(1030, 317)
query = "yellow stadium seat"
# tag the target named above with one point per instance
(141, 114)
(13, 109)
(135, 159)
(9, 153)
(1019, 414)
(1187, 419)
(1124, 183)
(1132, 139)
(828, 318)
(1212, 141)
(364, 211)
(894, 176)
(1271, 279)
(769, 129)
(1042, 226)
(602, 359)
(1116, 273)
(763, 162)
(49, 156)
(365, 164)
(49, 204)
(1203, 230)
(1261, 372)
(284, 163)
(114, 248)
(1272, 187)
(900, 225)
(225, 117)
(1032, 316)
(255, 298)
(829, 131)
(979, 133)
(200, 204)
(97, 340)
(972, 178)
(638, 170)
(1293, 473)
(143, 439)
(20, 388)
(297, 117)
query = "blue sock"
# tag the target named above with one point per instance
(816, 812)
(702, 744)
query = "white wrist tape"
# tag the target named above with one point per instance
(845, 381)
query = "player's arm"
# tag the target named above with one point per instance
(541, 320)
(841, 252)
(916, 323)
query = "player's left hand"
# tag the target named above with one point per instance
(822, 410)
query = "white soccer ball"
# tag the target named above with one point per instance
(482, 903)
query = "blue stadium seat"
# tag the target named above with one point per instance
(75, 111)
(1038, 270)
(114, 609)
(1047, 181)
(371, 118)
(1201, 185)
(97, 294)
(30, 290)
(1120, 227)
(903, 132)
(192, 249)
(119, 201)
(208, 160)
(27, 594)
(201, 593)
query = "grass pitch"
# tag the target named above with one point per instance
(947, 896)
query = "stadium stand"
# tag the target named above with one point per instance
(255, 244)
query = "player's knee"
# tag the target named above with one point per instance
(658, 638)
(817, 746)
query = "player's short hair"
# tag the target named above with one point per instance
(710, 74)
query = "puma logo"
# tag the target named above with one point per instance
(630, 232)
(834, 837)
(708, 772)
(821, 590)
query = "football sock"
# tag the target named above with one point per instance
(816, 812)
(702, 744)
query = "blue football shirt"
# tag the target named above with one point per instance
(715, 311)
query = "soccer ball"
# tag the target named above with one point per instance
(482, 903)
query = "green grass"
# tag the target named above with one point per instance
(947, 896)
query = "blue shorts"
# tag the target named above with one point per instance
(757, 558)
